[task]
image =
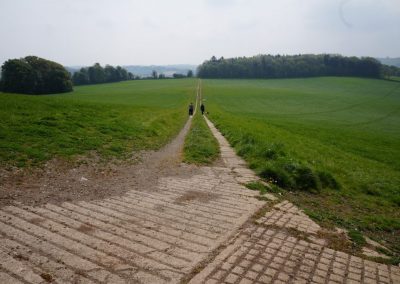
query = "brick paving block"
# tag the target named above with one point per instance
(283, 277)
(219, 274)
(354, 276)
(249, 257)
(299, 280)
(251, 275)
(238, 270)
(246, 281)
(227, 265)
(244, 263)
(278, 260)
(263, 261)
(318, 279)
(257, 267)
(231, 278)
(336, 277)
(232, 259)
(265, 279)
(275, 265)
(368, 280)
(270, 272)
(211, 281)
(288, 270)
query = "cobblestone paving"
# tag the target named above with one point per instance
(286, 215)
(263, 255)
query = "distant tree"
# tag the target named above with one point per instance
(111, 74)
(290, 66)
(131, 76)
(96, 74)
(34, 75)
(161, 76)
(81, 77)
(189, 74)
(178, 76)
(154, 74)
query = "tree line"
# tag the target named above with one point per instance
(291, 66)
(34, 75)
(155, 75)
(97, 74)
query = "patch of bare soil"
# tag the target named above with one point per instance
(200, 196)
(59, 181)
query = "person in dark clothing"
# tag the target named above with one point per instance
(203, 108)
(191, 109)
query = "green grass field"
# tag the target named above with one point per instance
(333, 143)
(112, 119)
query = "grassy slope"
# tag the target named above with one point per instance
(113, 119)
(201, 147)
(348, 127)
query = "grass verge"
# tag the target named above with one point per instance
(201, 147)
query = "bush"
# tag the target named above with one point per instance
(34, 75)
(277, 175)
(274, 151)
(328, 180)
(306, 179)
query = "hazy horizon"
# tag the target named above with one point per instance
(133, 32)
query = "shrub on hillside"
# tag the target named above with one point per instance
(328, 180)
(34, 75)
(277, 175)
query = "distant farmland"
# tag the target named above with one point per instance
(345, 128)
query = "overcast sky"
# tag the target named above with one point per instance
(81, 32)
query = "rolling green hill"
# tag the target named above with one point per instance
(111, 119)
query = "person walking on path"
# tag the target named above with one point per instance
(191, 109)
(203, 108)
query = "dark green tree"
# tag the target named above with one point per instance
(290, 66)
(34, 75)
(190, 74)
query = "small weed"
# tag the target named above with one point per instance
(257, 186)
(357, 238)
(47, 277)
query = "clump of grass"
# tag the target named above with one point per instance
(258, 186)
(291, 175)
(328, 180)
(357, 238)
(201, 147)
